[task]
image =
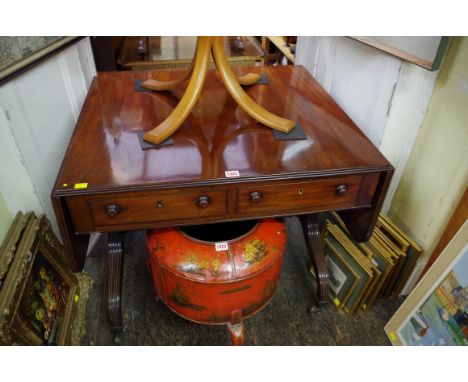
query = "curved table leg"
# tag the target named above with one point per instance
(240, 96)
(190, 97)
(246, 79)
(249, 78)
(156, 85)
(311, 231)
(114, 284)
(233, 84)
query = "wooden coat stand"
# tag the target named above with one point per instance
(198, 69)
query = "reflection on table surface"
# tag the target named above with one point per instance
(157, 52)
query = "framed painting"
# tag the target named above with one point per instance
(406, 244)
(364, 275)
(436, 311)
(343, 279)
(382, 264)
(360, 257)
(39, 294)
(371, 259)
(425, 51)
(394, 252)
(18, 53)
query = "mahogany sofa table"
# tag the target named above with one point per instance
(108, 183)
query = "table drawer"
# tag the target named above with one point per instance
(309, 195)
(142, 207)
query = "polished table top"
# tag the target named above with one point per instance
(107, 183)
(105, 151)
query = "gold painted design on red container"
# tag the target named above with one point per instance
(228, 291)
(255, 250)
(206, 286)
(180, 298)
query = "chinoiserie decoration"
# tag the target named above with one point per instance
(198, 69)
(218, 273)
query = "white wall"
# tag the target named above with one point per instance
(385, 96)
(38, 112)
(437, 172)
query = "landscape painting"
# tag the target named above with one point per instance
(442, 319)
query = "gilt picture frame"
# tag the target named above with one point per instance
(435, 312)
(343, 278)
(10, 242)
(39, 295)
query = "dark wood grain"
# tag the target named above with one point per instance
(76, 246)
(361, 223)
(310, 227)
(105, 154)
(316, 194)
(114, 284)
(105, 151)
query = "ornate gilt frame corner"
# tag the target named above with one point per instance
(37, 236)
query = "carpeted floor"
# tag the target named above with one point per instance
(285, 321)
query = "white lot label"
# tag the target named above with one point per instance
(223, 246)
(232, 174)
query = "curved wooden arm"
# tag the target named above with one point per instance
(190, 97)
(245, 102)
(246, 79)
(249, 79)
(166, 85)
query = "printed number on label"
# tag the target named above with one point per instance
(231, 174)
(221, 246)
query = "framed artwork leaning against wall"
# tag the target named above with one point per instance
(39, 294)
(436, 311)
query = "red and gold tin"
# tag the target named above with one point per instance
(219, 273)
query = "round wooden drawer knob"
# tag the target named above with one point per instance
(341, 190)
(255, 197)
(112, 210)
(203, 201)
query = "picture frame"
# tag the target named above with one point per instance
(39, 295)
(427, 52)
(10, 243)
(19, 53)
(378, 263)
(390, 257)
(412, 250)
(435, 312)
(365, 277)
(383, 265)
(343, 279)
(394, 252)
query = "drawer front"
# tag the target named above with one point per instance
(154, 206)
(308, 196)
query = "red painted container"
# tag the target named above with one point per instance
(205, 283)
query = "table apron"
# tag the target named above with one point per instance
(185, 205)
